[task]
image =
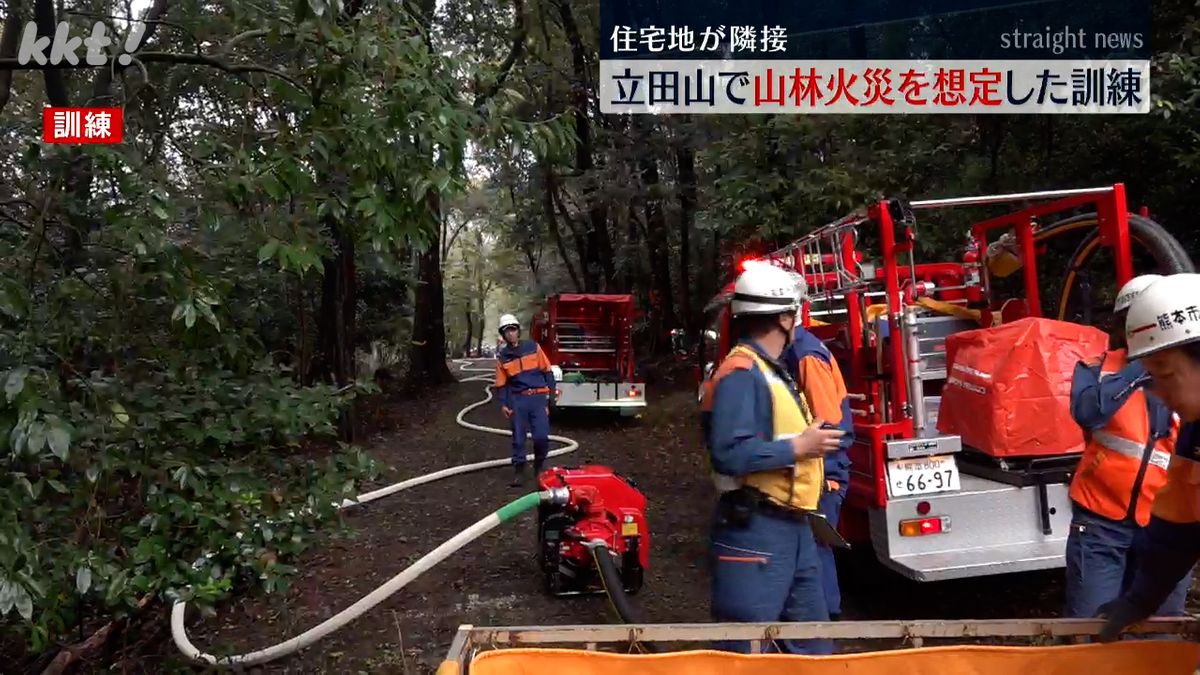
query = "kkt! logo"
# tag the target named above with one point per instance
(64, 46)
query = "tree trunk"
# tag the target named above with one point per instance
(427, 361)
(335, 330)
(599, 242)
(427, 355)
(685, 158)
(633, 256)
(660, 262)
(552, 225)
(466, 348)
(588, 268)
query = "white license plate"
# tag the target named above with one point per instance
(922, 476)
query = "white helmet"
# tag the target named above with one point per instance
(1132, 289)
(766, 289)
(1166, 314)
(508, 321)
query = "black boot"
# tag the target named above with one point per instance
(518, 476)
(538, 466)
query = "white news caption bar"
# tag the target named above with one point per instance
(874, 87)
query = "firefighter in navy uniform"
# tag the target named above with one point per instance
(1130, 437)
(525, 382)
(1163, 331)
(767, 455)
(820, 380)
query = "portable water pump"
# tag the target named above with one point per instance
(604, 514)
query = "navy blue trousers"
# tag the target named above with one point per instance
(530, 417)
(767, 571)
(1101, 559)
(830, 506)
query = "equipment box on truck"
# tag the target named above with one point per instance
(588, 338)
(984, 489)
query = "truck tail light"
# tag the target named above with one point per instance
(633, 392)
(557, 393)
(923, 526)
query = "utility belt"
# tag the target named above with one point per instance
(534, 392)
(737, 508)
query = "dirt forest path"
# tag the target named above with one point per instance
(496, 580)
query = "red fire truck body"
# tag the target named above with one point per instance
(588, 338)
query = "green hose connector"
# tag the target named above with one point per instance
(518, 506)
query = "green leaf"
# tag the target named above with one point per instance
(189, 316)
(207, 296)
(37, 438)
(15, 383)
(83, 580)
(8, 596)
(116, 586)
(272, 186)
(57, 486)
(12, 298)
(60, 439)
(210, 317)
(268, 250)
(92, 473)
(159, 211)
(24, 604)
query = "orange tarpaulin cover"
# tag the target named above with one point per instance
(1140, 657)
(1008, 390)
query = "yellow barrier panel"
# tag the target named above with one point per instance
(1134, 657)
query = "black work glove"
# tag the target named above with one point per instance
(1120, 614)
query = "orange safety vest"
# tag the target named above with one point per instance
(1113, 458)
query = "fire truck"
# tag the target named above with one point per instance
(588, 338)
(931, 507)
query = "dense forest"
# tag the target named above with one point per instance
(314, 198)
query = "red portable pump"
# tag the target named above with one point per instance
(602, 522)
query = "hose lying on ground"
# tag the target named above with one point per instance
(369, 601)
(614, 588)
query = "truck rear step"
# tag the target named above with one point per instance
(1025, 529)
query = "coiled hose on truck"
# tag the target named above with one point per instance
(445, 550)
(1147, 234)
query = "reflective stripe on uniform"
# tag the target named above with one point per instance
(1107, 480)
(1117, 444)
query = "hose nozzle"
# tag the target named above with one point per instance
(559, 496)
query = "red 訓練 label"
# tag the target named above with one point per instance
(83, 125)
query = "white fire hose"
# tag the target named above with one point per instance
(445, 550)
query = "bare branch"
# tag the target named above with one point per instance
(102, 86)
(170, 57)
(242, 37)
